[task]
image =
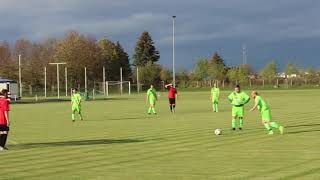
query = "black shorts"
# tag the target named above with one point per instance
(172, 100)
(4, 128)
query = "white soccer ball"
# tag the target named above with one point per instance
(218, 132)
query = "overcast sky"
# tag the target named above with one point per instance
(274, 29)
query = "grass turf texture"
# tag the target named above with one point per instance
(118, 140)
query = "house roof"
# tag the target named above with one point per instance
(5, 80)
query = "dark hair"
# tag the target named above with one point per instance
(4, 92)
(75, 89)
(237, 86)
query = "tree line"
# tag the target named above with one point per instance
(80, 51)
(77, 51)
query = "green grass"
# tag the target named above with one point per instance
(118, 140)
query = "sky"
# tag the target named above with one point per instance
(283, 30)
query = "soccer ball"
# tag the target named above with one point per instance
(218, 132)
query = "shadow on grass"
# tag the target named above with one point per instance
(303, 125)
(303, 131)
(75, 143)
(30, 101)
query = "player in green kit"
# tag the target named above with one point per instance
(76, 103)
(152, 98)
(266, 117)
(238, 99)
(215, 93)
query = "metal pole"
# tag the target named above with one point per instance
(138, 84)
(107, 88)
(45, 82)
(129, 88)
(58, 81)
(85, 79)
(104, 80)
(20, 82)
(173, 51)
(121, 86)
(66, 79)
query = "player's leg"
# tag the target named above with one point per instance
(170, 105)
(241, 115)
(4, 131)
(216, 106)
(154, 108)
(234, 117)
(173, 105)
(80, 113)
(73, 113)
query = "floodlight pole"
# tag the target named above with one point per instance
(173, 51)
(66, 79)
(121, 80)
(58, 81)
(138, 84)
(20, 82)
(85, 80)
(45, 82)
(104, 80)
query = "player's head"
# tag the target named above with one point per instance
(237, 88)
(74, 90)
(215, 85)
(151, 86)
(254, 94)
(4, 93)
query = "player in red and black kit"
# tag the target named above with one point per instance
(4, 118)
(173, 95)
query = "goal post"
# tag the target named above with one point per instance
(118, 87)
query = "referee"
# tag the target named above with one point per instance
(4, 118)
(172, 95)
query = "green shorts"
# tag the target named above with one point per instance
(266, 115)
(76, 108)
(152, 101)
(215, 101)
(237, 111)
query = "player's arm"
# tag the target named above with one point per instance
(230, 97)
(6, 115)
(6, 112)
(246, 99)
(254, 107)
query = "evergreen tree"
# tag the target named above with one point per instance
(217, 69)
(145, 51)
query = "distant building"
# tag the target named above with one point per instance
(283, 75)
(10, 85)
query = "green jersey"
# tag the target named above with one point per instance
(262, 105)
(152, 94)
(238, 99)
(76, 99)
(215, 93)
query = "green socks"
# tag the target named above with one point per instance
(234, 123)
(72, 117)
(267, 126)
(216, 107)
(151, 110)
(274, 125)
(241, 123)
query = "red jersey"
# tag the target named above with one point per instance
(172, 92)
(4, 106)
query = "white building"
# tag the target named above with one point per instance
(10, 85)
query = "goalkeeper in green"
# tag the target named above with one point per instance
(76, 103)
(215, 93)
(266, 117)
(152, 98)
(238, 99)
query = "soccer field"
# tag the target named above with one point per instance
(118, 140)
